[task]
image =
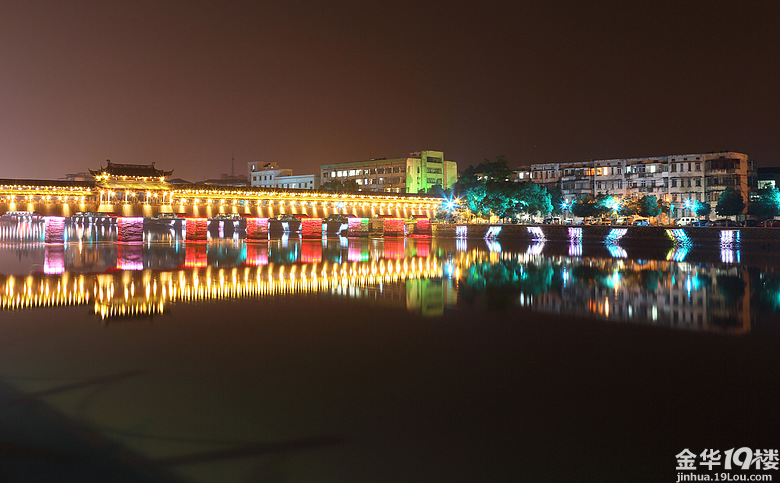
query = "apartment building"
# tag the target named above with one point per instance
(673, 178)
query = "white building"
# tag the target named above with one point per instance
(270, 175)
(677, 178)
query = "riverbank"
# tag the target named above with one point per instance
(758, 237)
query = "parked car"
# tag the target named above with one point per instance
(598, 221)
(685, 221)
(554, 220)
(750, 223)
(724, 222)
(641, 222)
(770, 223)
(700, 223)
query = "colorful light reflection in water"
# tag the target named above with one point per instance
(129, 279)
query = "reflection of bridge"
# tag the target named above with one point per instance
(146, 197)
(428, 274)
(145, 292)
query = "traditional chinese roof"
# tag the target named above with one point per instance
(131, 170)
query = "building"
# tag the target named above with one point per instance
(129, 172)
(81, 176)
(521, 174)
(270, 175)
(768, 178)
(417, 173)
(677, 179)
(237, 180)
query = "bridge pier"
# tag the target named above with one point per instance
(358, 227)
(130, 229)
(257, 229)
(197, 229)
(394, 227)
(54, 229)
(311, 228)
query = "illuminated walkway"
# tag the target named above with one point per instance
(145, 198)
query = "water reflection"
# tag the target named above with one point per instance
(428, 276)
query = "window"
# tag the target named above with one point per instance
(674, 167)
(698, 166)
(674, 182)
(698, 181)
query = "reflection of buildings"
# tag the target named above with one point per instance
(422, 275)
(667, 294)
(430, 296)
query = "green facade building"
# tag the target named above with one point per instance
(418, 173)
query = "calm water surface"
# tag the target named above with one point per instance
(376, 359)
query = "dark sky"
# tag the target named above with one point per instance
(186, 84)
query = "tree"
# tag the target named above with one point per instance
(766, 205)
(630, 207)
(730, 203)
(487, 190)
(645, 206)
(485, 171)
(584, 206)
(648, 207)
(605, 204)
(701, 209)
(556, 198)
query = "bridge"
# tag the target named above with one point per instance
(147, 197)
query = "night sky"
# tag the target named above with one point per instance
(189, 84)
